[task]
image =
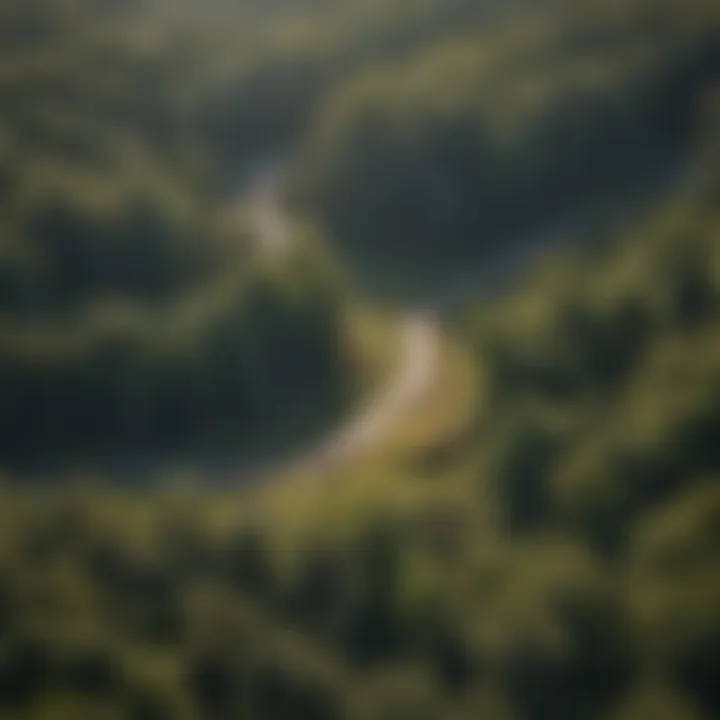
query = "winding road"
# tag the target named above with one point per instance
(418, 358)
(420, 333)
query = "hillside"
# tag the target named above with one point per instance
(458, 152)
(558, 558)
(134, 319)
(528, 527)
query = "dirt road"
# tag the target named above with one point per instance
(415, 371)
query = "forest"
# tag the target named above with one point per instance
(133, 316)
(537, 537)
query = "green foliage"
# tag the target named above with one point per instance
(566, 568)
(560, 560)
(133, 320)
(465, 147)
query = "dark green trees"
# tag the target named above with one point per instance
(463, 150)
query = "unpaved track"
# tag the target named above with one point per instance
(413, 376)
(420, 331)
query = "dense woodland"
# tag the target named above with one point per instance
(479, 141)
(559, 560)
(557, 557)
(132, 317)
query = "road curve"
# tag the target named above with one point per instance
(414, 374)
(420, 332)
